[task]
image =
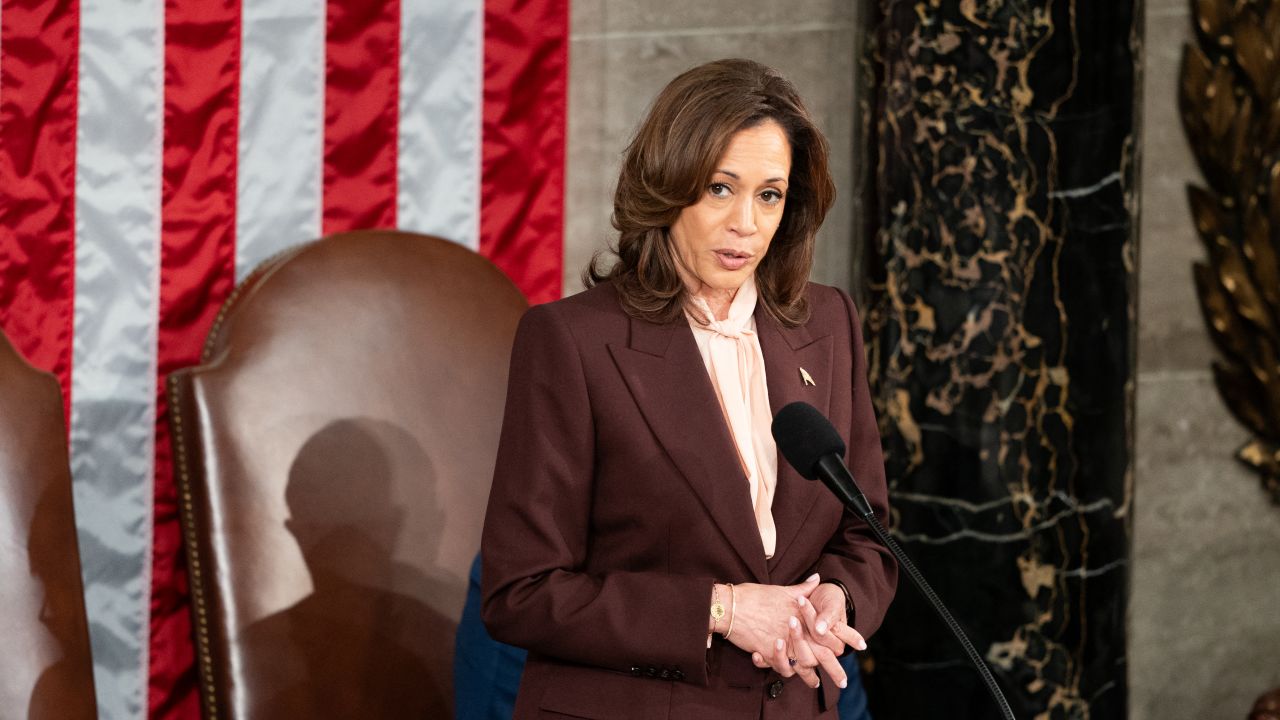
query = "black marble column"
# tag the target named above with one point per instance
(1001, 335)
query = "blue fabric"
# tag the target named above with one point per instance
(853, 699)
(486, 673)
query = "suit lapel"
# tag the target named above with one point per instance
(786, 351)
(668, 379)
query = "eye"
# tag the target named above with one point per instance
(772, 197)
(719, 190)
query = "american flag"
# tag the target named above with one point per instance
(151, 153)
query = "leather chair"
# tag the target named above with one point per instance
(334, 452)
(46, 668)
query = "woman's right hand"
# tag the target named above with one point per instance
(762, 616)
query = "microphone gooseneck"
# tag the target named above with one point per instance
(812, 446)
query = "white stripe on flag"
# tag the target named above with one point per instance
(113, 390)
(281, 145)
(441, 95)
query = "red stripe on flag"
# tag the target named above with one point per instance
(361, 114)
(522, 171)
(39, 48)
(197, 273)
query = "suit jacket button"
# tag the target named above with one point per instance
(775, 688)
(678, 674)
(651, 671)
(635, 670)
(665, 674)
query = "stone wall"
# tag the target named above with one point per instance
(1204, 615)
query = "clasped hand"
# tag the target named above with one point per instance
(794, 629)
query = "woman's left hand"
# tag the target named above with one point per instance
(825, 619)
(818, 638)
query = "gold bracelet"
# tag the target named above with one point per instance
(717, 609)
(733, 606)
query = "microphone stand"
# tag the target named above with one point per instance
(854, 500)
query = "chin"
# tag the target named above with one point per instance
(726, 279)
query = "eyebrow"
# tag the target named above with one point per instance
(735, 176)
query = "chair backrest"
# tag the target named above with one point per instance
(334, 453)
(46, 668)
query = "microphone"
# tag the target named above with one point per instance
(811, 445)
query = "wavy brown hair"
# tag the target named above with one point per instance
(668, 166)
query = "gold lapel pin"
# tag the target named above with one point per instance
(807, 378)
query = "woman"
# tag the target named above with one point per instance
(642, 540)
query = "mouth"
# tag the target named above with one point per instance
(731, 259)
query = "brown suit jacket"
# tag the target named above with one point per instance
(618, 499)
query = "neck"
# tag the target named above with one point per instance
(718, 300)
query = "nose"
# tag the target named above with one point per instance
(743, 220)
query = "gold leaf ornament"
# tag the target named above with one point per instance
(1259, 251)
(1265, 459)
(1210, 18)
(1256, 58)
(1229, 102)
(1227, 330)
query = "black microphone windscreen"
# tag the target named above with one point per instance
(804, 436)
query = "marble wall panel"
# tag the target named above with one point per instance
(621, 54)
(1002, 348)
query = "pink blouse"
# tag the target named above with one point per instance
(731, 350)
